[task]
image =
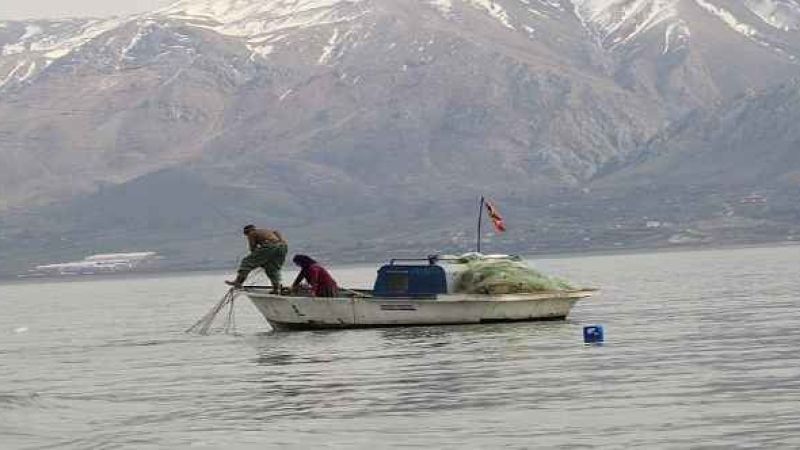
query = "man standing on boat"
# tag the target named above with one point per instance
(268, 251)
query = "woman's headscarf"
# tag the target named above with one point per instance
(303, 260)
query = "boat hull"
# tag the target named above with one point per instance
(291, 313)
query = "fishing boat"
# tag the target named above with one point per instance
(407, 293)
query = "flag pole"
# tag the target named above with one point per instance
(480, 217)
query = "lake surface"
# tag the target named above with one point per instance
(702, 350)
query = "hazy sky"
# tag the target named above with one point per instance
(25, 9)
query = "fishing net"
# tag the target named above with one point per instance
(203, 326)
(502, 276)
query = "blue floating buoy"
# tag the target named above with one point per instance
(593, 334)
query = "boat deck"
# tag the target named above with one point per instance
(367, 294)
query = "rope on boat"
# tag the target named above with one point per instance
(203, 326)
(354, 293)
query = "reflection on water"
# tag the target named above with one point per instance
(268, 358)
(701, 351)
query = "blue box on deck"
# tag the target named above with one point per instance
(593, 334)
(410, 281)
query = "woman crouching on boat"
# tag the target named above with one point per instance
(322, 283)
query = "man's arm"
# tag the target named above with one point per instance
(279, 235)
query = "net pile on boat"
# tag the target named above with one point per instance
(502, 276)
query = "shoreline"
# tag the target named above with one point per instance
(173, 272)
(675, 249)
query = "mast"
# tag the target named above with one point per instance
(480, 217)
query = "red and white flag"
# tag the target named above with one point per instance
(497, 219)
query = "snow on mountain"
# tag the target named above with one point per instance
(729, 18)
(778, 24)
(494, 9)
(262, 23)
(56, 39)
(614, 22)
(249, 17)
(324, 30)
(254, 19)
(619, 22)
(28, 48)
(781, 14)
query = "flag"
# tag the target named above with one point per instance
(497, 219)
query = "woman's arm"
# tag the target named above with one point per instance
(299, 279)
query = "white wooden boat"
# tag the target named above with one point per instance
(359, 310)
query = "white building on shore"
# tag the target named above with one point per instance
(100, 263)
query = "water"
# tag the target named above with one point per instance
(701, 351)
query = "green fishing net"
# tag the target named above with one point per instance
(503, 276)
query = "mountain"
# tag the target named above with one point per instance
(716, 146)
(369, 126)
